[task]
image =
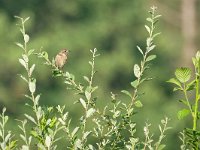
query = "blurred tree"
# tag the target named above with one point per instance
(188, 30)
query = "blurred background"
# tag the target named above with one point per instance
(115, 28)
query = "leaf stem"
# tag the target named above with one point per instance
(195, 117)
(187, 99)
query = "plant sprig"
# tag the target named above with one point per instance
(183, 82)
(139, 69)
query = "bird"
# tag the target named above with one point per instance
(61, 58)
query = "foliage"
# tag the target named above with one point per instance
(110, 127)
(113, 127)
(185, 84)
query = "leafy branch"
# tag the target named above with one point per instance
(146, 58)
(185, 84)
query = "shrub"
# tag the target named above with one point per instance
(112, 127)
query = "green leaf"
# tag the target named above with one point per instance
(177, 89)
(37, 98)
(30, 52)
(72, 76)
(134, 83)
(137, 70)
(32, 69)
(161, 147)
(198, 55)
(157, 16)
(90, 63)
(7, 137)
(87, 95)
(183, 101)
(30, 118)
(23, 63)
(190, 86)
(94, 88)
(174, 81)
(85, 135)
(25, 57)
(32, 85)
(151, 57)
(83, 103)
(151, 48)
(25, 147)
(86, 79)
(26, 19)
(48, 141)
(149, 42)
(138, 103)
(183, 74)
(140, 50)
(20, 45)
(90, 112)
(26, 38)
(74, 131)
(127, 93)
(183, 113)
(156, 34)
(23, 78)
(149, 19)
(34, 133)
(45, 55)
(78, 144)
(56, 73)
(148, 29)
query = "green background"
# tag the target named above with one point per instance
(115, 28)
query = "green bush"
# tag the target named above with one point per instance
(110, 127)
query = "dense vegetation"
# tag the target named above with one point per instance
(115, 29)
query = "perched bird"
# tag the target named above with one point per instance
(61, 58)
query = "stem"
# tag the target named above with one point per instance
(143, 62)
(196, 100)
(186, 97)
(92, 72)
(91, 91)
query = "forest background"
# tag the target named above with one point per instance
(115, 28)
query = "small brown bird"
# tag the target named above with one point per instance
(61, 58)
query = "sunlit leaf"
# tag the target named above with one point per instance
(183, 113)
(90, 112)
(83, 103)
(32, 69)
(148, 29)
(151, 57)
(74, 131)
(183, 74)
(86, 79)
(174, 81)
(140, 50)
(20, 45)
(26, 38)
(30, 118)
(138, 103)
(190, 86)
(137, 70)
(127, 93)
(23, 63)
(48, 141)
(32, 85)
(134, 83)
(85, 135)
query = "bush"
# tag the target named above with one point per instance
(112, 127)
